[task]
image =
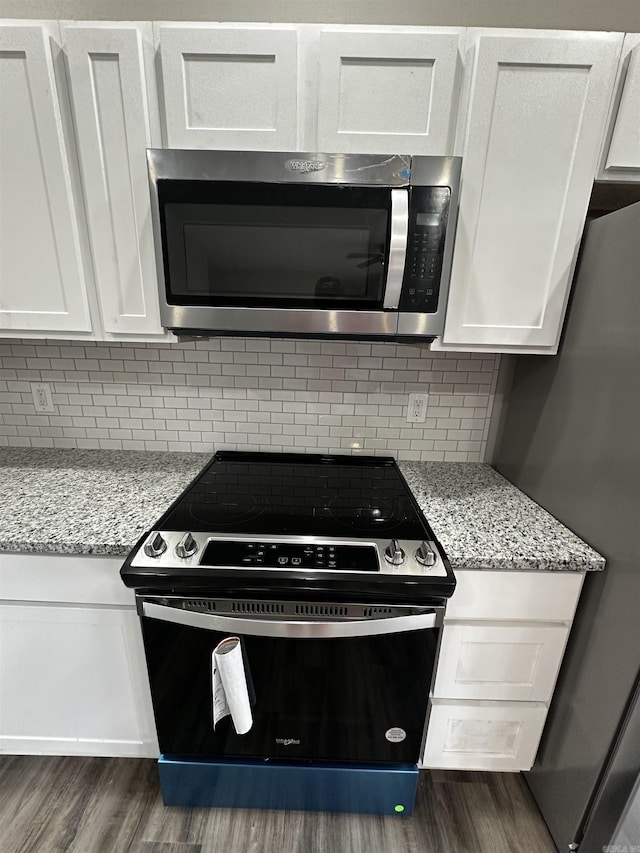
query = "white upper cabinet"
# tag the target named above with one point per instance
(621, 152)
(233, 87)
(534, 128)
(115, 109)
(42, 280)
(534, 115)
(388, 91)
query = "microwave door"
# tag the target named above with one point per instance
(285, 259)
(266, 246)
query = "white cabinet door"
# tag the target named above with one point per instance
(229, 87)
(74, 682)
(621, 154)
(483, 735)
(511, 662)
(388, 91)
(42, 281)
(115, 112)
(538, 103)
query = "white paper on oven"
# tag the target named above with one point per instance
(230, 691)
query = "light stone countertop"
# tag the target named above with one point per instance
(485, 522)
(86, 501)
(101, 501)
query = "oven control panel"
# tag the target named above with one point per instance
(176, 550)
(287, 555)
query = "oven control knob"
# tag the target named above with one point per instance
(186, 547)
(425, 555)
(155, 546)
(394, 554)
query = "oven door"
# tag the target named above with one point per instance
(335, 689)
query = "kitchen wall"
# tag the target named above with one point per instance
(543, 14)
(253, 394)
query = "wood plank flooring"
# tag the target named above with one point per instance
(113, 805)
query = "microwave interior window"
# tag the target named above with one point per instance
(308, 246)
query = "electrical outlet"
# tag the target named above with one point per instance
(41, 393)
(417, 408)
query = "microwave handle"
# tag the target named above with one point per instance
(431, 618)
(397, 247)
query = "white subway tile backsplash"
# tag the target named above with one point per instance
(253, 394)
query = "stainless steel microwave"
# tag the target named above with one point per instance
(306, 244)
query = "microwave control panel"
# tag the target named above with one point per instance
(428, 215)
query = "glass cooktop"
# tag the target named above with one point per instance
(298, 494)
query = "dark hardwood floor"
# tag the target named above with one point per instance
(105, 805)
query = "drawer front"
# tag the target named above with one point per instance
(64, 578)
(483, 735)
(505, 662)
(524, 596)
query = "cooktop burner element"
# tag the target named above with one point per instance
(214, 508)
(284, 522)
(368, 514)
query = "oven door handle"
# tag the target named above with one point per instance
(397, 248)
(296, 629)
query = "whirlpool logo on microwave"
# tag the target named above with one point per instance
(305, 165)
(288, 741)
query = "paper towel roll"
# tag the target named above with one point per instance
(230, 692)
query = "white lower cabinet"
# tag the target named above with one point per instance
(508, 662)
(73, 678)
(70, 681)
(502, 646)
(483, 735)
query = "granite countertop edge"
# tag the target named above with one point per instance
(482, 521)
(81, 548)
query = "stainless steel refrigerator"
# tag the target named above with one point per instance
(570, 438)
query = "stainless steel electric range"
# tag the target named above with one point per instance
(291, 608)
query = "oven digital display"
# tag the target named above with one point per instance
(278, 555)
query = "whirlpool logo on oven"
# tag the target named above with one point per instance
(305, 166)
(288, 741)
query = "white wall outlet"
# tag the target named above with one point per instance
(41, 393)
(417, 408)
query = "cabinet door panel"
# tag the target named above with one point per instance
(73, 682)
(387, 92)
(509, 662)
(533, 134)
(229, 87)
(622, 147)
(115, 122)
(41, 269)
(483, 736)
